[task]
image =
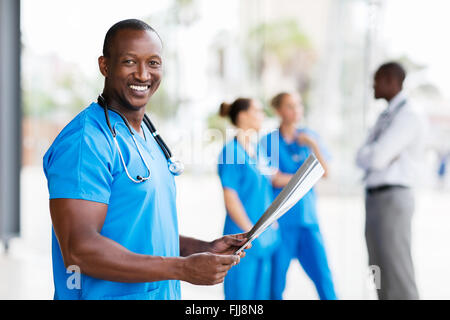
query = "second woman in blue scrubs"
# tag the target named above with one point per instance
(247, 191)
(301, 236)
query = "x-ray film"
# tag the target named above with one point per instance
(302, 181)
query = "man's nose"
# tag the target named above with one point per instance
(142, 73)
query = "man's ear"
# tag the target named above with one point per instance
(102, 65)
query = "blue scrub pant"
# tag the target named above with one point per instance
(305, 244)
(250, 279)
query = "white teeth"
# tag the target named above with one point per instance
(138, 88)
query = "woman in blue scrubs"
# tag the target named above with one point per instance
(300, 232)
(246, 182)
(112, 194)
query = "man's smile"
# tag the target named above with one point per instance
(139, 88)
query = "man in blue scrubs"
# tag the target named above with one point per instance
(123, 236)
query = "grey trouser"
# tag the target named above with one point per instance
(388, 237)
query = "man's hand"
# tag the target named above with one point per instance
(229, 244)
(207, 268)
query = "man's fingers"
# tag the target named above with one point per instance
(242, 254)
(228, 259)
(234, 240)
(219, 278)
(226, 267)
(241, 235)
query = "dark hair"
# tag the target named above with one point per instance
(278, 99)
(133, 24)
(232, 110)
(393, 70)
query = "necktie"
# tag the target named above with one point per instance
(383, 121)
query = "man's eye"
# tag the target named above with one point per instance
(155, 63)
(129, 62)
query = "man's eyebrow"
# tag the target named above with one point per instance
(128, 54)
(131, 54)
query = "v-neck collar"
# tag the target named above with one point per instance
(144, 138)
(283, 138)
(243, 149)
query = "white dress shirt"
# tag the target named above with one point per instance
(394, 149)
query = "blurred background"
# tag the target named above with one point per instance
(216, 51)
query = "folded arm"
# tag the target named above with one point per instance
(381, 153)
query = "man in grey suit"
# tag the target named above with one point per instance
(390, 158)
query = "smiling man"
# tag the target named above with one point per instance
(130, 82)
(120, 233)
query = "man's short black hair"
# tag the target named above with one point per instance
(393, 70)
(133, 24)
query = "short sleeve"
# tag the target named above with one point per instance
(229, 172)
(78, 165)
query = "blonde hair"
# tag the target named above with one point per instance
(278, 99)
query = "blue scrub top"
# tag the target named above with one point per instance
(290, 157)
(83, 163)
(244, 174)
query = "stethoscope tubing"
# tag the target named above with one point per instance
(175, 167)
(142, 179)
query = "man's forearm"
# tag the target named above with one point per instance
(106, 259)
(190, 246)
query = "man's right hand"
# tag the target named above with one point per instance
(207, 268)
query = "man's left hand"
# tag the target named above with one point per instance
(229, 244)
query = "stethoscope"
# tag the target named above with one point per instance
(176, 167)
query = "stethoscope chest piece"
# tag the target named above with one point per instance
(176, 167)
